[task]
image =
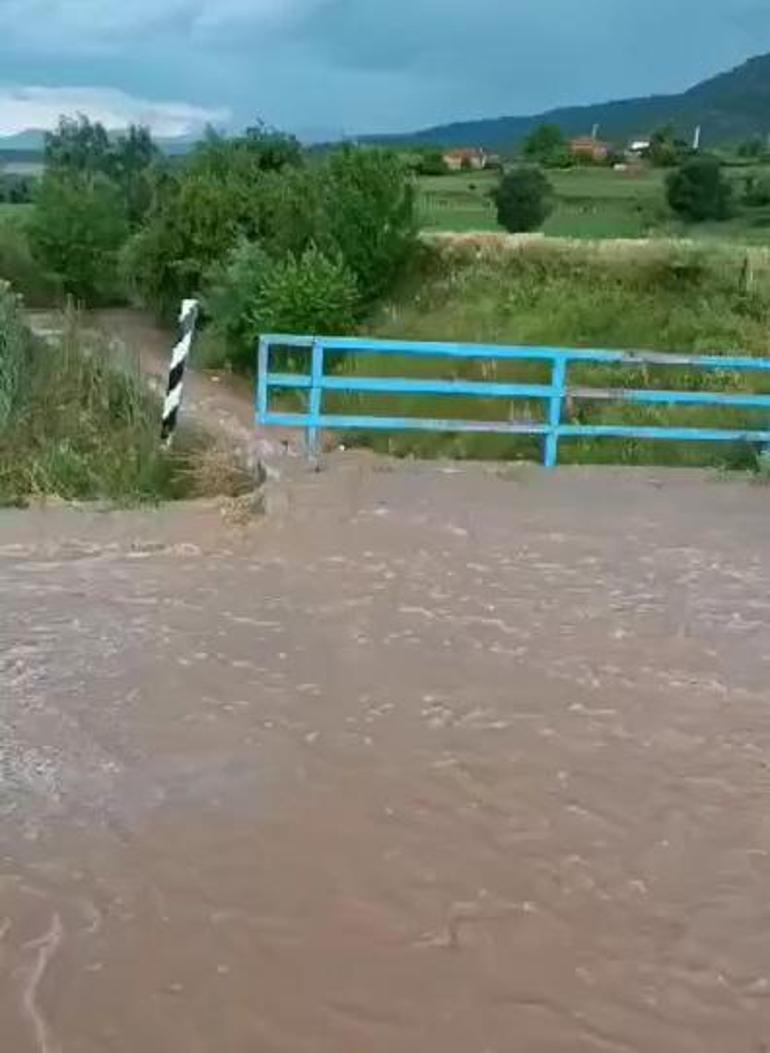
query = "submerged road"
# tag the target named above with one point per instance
(431, 760)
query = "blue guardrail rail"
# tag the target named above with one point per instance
(316, 382)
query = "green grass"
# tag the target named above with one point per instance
(457, 202)
(667, 297)
(592, 203)
(14, 213)
(77, 424)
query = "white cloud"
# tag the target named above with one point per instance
(33, 107)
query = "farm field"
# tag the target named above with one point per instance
(591, 203)
(13, 213)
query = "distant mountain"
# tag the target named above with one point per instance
(730, 107)
(32, 141)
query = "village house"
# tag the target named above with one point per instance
(586, 146)
(474, 159)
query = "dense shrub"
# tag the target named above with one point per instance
(19, 267)
(524, 199)
(233, 291)
(698, 190)
(15, 189)
(76, 231)
(251, 294)
(430, 163)
(757, 191)
(311, 293)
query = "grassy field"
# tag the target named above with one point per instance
(666, 296)
(14, 213)
(590, 203)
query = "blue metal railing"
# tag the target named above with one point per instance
(316, 382)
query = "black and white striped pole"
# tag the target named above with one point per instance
(188, 319)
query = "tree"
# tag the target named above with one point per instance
(80, 146)
(259, 149)
(357, 205)
(369, 215)
(77, 145)
(698, 190)
(129, 163)
(666, 150)
(752, 149)
(431, 163)
(524, 199)
(77, 229)
(547, 146)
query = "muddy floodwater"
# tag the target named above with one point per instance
(429, 761)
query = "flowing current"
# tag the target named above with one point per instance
(430, 760)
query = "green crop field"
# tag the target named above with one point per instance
(13, 213)
(591, 203)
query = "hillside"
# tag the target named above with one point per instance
(28, 145)
(730, 107)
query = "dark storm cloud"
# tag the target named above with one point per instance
(376, 64)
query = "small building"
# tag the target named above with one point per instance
(638, 148)
(591, 149)
(473, 160)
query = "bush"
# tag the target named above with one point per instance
(757, 191)
(311, 293)
(431, 163)
(251, 294)
(77, 228)
(233, 291)
(753, 148)
(698, 190)
(15, 189)
(524, 199)
(19, 267)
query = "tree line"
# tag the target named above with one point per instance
(270, 237)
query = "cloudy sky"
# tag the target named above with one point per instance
(333, 66)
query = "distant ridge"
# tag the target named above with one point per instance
(731, 106)
(31, 143)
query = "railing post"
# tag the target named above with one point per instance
(558, 389)
(263, 368)
(316, 395)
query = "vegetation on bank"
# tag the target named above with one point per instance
(659, 296)
(273, 239)
(77, 424)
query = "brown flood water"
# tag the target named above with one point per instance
(430, 762)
